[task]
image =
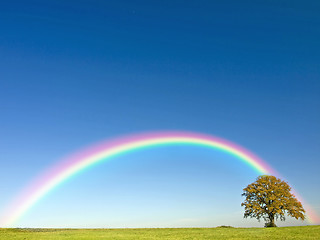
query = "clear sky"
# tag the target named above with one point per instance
(73, 73)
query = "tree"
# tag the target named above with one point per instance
(270, 198)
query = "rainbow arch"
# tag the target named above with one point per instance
(74, 164)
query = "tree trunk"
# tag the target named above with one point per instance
(271, 221)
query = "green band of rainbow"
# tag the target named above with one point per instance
(80, 161)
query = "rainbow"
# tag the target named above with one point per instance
(78, 162)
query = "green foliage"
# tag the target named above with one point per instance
(306, 233)
(270, 198)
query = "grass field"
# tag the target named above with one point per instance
(306, 232)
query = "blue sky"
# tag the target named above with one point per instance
(76, 73)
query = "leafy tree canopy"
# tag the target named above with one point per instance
(270, 198)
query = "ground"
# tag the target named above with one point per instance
(305, 232)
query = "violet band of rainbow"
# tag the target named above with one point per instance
(78, 162)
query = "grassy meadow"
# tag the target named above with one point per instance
(305, 232)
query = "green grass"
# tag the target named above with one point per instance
(306, 232)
